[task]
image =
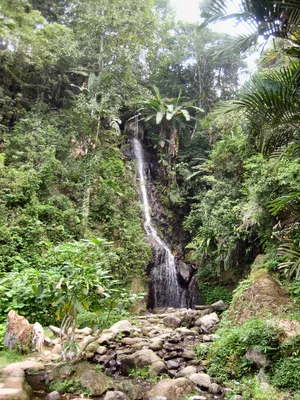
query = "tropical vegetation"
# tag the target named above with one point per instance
(223, 157)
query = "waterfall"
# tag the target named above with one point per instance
(166, 290)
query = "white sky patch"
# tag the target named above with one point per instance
(188, 10)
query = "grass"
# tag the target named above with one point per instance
(9, 357)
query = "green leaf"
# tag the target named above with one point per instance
(159, 117)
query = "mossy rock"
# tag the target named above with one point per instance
(261, 295)
(78, 378)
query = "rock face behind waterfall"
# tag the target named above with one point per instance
(169, 284)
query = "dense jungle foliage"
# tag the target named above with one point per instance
(74, 75)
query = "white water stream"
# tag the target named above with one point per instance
(164, 283)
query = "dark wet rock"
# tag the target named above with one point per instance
(185, 271)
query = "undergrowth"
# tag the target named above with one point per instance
(227, 355)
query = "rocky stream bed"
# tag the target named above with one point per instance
(149, 358)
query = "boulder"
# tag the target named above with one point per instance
(201, 380)
(11, 369)
(214, 388)
(157, 368)
(53, 396)
(156, 345)
(219, 306)
(38, 337)
(93, 382)
(18, 332)
(15, 394)
(134, 391)
(121, 326)
(188, 354)
(128, 341)
(185, 271)
(159, 398)
(209, 338)
(187, 371)
(171, 389)
(114, 395)
(139, 359)
(15, 386)
(85, 331)
(264, 297)
(208, 321)
(172, 364)
(171, 321)
(101, 350)
(257, 357)
(55, 330)
(106, 337)
(198, 398)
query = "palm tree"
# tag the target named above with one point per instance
(265, 18)
(272, 106)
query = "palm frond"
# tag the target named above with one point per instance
(290, 254)
(288, 200)
(267, 18)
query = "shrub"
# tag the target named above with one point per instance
(286, 373)
(201, 351)
(251, 388)
(2, 333)
(227, 355)
(211, 293)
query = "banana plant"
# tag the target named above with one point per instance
(171, 114)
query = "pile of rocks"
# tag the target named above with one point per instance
(156, 348)
(161, 344)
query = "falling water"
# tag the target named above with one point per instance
(167, 291)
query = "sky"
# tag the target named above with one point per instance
(188, 10)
